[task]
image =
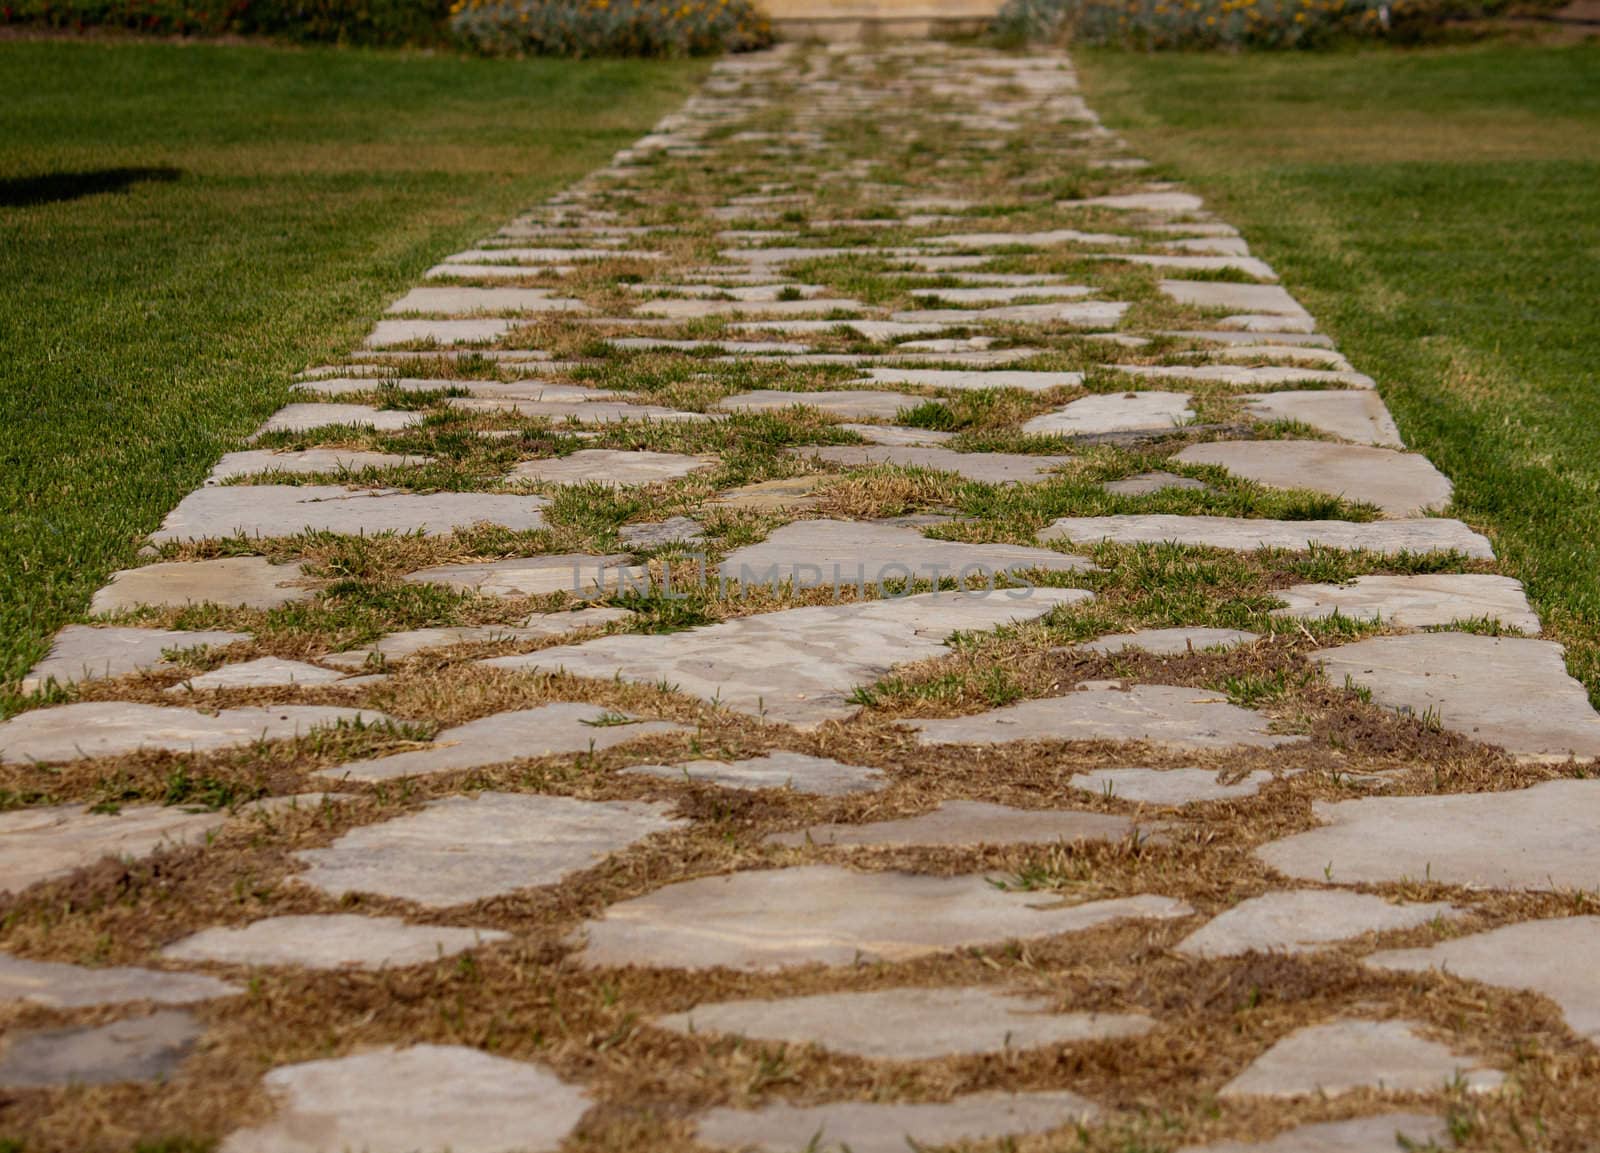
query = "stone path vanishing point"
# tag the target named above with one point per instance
(872, 618)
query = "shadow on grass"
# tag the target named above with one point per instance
(53, 187)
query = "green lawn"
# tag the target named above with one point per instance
(183, 227)
(1439, 211)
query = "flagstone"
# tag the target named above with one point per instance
(608, 466)
(1255, 376)
(905, 324)
(478, 330)
(302, 417)
(398, 646)
(263, 672)
(1535, 955)
(777, 918)
(1295, 353)
(580, 574)
(270, 510)
(1350, 414)
(542, 731)
(479, 301)
(139, 1049)
(1170, 642)
(779, 290)
(673, 530)
(1304, 920)
(467, 271)
(969, 823)
(1088, 314)
(1418, 601)
(955, 379)
(1386, 1133)
(1399, 483)
(1429, 534)
(317, 460)
(1157, 201)
(1169, 786)
(1507, 691)
(58, 986)
(527, 255)
(330, 941)
(988, 467)
(819, 776)
(826, 552)
(740, 347)
(694, 308)
(783, 494)
(908, 1024)
(884, 405)
(49, 842)
(109, 728)
(1145, 483)
(898, 435)
(1114, 412)
(1037, 289)
(1243, 342)
(1263, 299)
(796, 666)
(1542, 838)
(421, 1099)
(462, 849)
(1045, 239)
(1342, 1056)
(572, 412)
(1162, 715)
(84, 653)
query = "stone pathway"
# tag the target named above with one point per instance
(873, 618)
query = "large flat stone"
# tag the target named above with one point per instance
(576, 573)
(1162, 715)
(656, 534)
(423, 1099)
(1346, 1055)
(1399, 483)
(1303, 920)
(1260, 299)
(82, 653)
(1506, 691)
(987, 467)
(871, 329)
(398, 646)
(608, 466)
(1170, 642)
(44, 844)
(463, 301)
(1415, 602)
(1249, 265)
(969, 823)
(829, 552)
(251, 582)
(1168, 786)
(109, 728)
(463, 849)
(1386, 1133)
(691, 309)
(797, 666)
(334, 941)
(783, 494)
(1161, 201)
(963, 381)
(1429, 534)
(140, 1049)
(59, 986)
(1046, 239)
(1115, 412)
(819, 776)
(563, 412)
(1547, 957)
(1251, 376)
(1145, 483)
(263, 672)
(1357, 415)
(303, 417)
(393, 333)
(908, 1024)
(897, 434)
(269, 510)
(543, 731)
(868, 1127)
(775, 918)
(314, 460)
(1540, 838)
(1085, 314)
(886, 405)
(1002, 293)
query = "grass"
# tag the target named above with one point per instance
(1436, 211)
(183, 227)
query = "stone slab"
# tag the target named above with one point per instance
(795, 492)
(251, 582)
(908, 1024)
(1386, 1133)
(576, 573)
(818, 776)
(334, 941)
(481, 330)
(1249, 265)
(1399, 483)
(1170, 642)
(776, 918)
(1548, 957)
(1115, 412)
(463, 301)
(1415, 602)
(1001, 293)
(1045, 239)
(1169, 786)
(887, 330)
(846, 403)
(986, 467)
(463, 849)
(1162, 715)
(1346, 1055)
(139, 1049)
(423, 1099)
(968, 381)
(1537, 839)
(263, 672)
(542, 731)
(608, 466)
(968, 823)
(898, 435)
(47, 843)
(692, 309)
(1430, 534)
(797, 666)
(59, 986)
(868, 1127)
(1145, 483)
(1356, 415)
(109, 728)
(1304, 920)
(398, 646)
(673, 530)
(303, 417)
(314, 460)
(1158, 201)
(1255, 376)
(1507, 691)
(271, 510)
(563, 412)
(83, 653)
(1086, 314)
(1263, 299)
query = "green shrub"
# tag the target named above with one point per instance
(307, 21)
(609, 27)
(1162, 24)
